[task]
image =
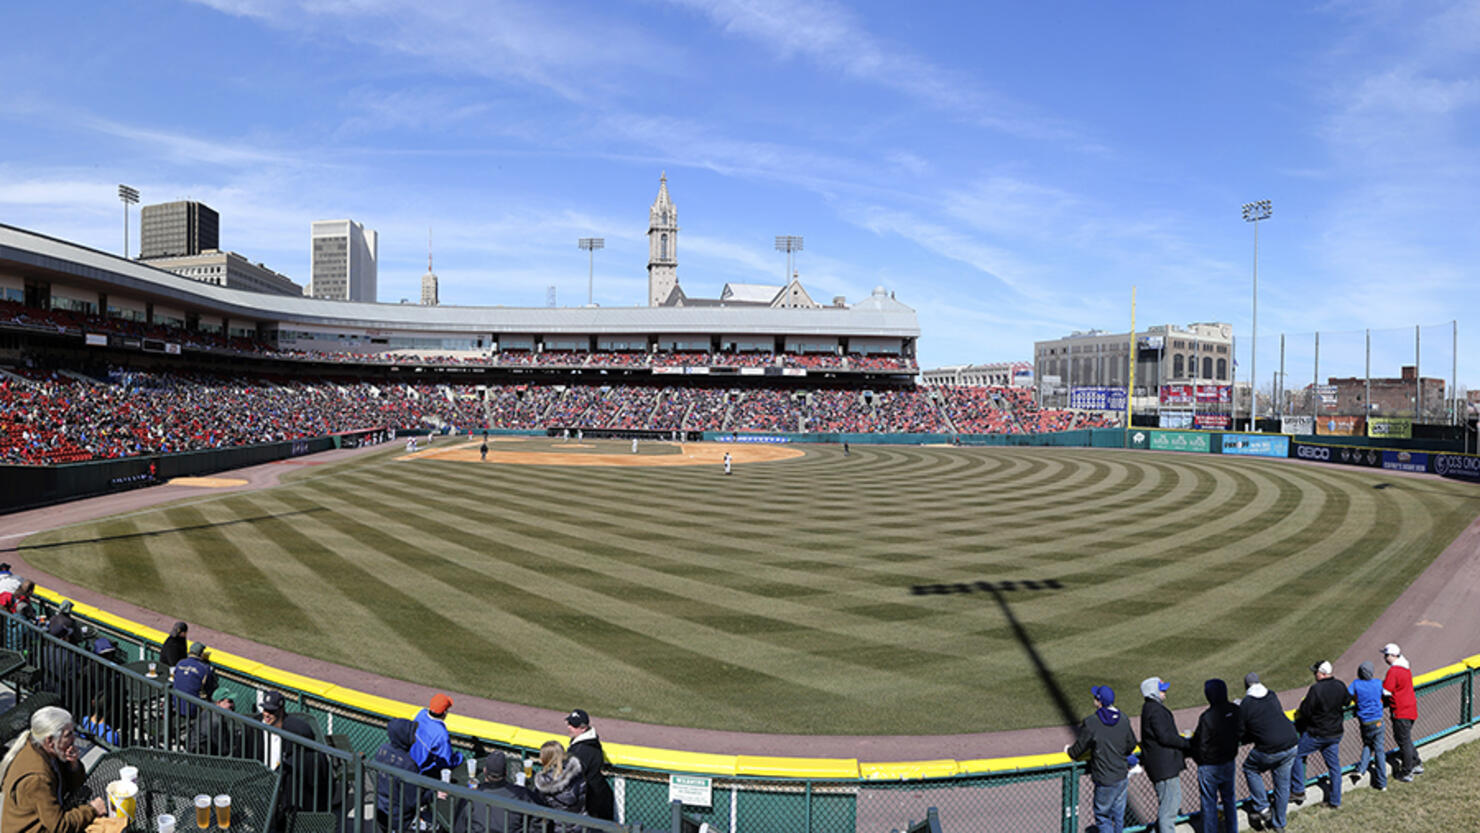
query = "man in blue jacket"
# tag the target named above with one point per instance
(432, 749)
(397, 803)
(1367, 693)
(194, 676)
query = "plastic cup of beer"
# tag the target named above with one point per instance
(165, 823)
(129, 774)
(447, 776)
(223, 811)
(202, 811)
(153, 669)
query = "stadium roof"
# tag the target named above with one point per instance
(877, 315)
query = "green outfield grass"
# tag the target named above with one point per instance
(780, 599)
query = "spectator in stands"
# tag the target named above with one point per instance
(9, 582)
(41, 774)
(397, 803)
(586, 746)
(1106, 735)
(1275, 742)
(492, 780)
(1319, 722)
(1215, 748)
(62, 625)
(1366, 692)
(1402, 701)
(174, 647)
(432, 749)
(216, 734)
(194, 676)
(560, 783)
(1163, 752)
(60, 669)
(305, 772)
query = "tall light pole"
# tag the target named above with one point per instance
(591, 244)
(789, 243)
(129, 196)
(1253, 213)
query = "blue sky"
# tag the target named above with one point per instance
(1009, 170)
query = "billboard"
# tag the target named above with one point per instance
(1353, 456)
(1257, 445)
(1216, 422)
(1097, 398)
(1174, 419)
(1405, 460)
(1215, 393)
(1317, 453)
(1180, 441)
(1463, 466)
(1340, 426)
(1302, 424)
(1394, 427)
(1178, 394)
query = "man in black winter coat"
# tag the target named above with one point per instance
(1107, 736)
(1215, 748)
(492, 780)
(1163, 752)
(586, 747)
(1319, 721)
(1275, 741)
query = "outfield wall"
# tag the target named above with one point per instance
(753, 793)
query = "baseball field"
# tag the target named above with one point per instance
(897, 590)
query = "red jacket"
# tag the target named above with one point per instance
(1397, 691)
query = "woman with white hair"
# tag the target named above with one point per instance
(41, 770)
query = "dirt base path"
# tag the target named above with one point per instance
(1436, 621)
(688, 454)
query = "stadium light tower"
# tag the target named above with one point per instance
(129, 196)
(789, 243)
(1253, 213)
(590, 245)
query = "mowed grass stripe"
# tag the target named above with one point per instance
(617, 595)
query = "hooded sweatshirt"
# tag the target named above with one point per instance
(1265, 724)
(1107, 736)
(1367, 692)
(396, 799)
(1215, 740)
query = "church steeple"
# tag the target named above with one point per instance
(662, 245)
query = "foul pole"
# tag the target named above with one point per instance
(1130, 388)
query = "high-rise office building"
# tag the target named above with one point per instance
(344, 258)
(176, 229)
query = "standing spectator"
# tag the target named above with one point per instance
(1215, 748)
(397, 803)
(1106, 735)
(174, 647)
(586, 746)
(1275, 741)
(1319, 722)
(1366, 692)
(432, 749)
(727, 462)
(1402, 702)
(41, 770)
(1163, 752)
(195, 676)
(559, 784)
(492, 780)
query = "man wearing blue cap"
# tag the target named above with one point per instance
(1106, 735)
(1163, 752)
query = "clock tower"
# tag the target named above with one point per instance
(662, 246)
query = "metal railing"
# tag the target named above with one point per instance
(980, 795)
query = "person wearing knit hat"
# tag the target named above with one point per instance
(1397, 692)
(1319, 721)
(1275, 741)
(1163, 752)
(1366, 692)
(1106, 735)
(432, 749)
(173, 649)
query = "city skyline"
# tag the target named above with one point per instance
(1009, 173)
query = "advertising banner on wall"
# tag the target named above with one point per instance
(1303, 425)
(1462, 466)
(1392, 427)
(1174, 419)
(1140, 438)
(1180, 441)
(1257, 445)
(1215, 393)
(1213, 422)
(1317, 453)
(1097, 398)
(1405, 460)
(1177, 395)
(1340, 426)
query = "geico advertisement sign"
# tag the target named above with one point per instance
(1313, 452)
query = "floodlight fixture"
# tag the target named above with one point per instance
(791, 244)
(1253, 213)
(590, 245)
(129, 196)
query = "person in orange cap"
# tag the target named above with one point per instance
(432, 750)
